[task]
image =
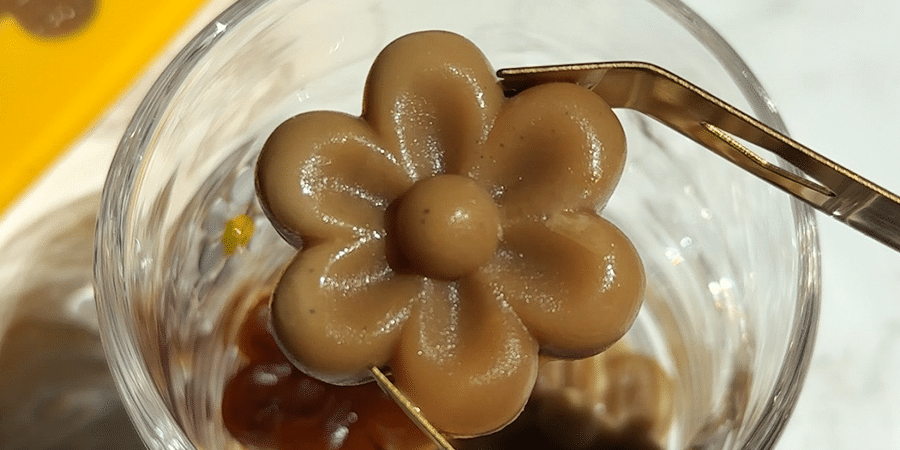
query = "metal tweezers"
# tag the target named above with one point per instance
(718, 126)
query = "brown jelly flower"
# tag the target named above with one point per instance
(449, 234)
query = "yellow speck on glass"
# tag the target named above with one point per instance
(238, 232)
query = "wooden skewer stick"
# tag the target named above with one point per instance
(411, 410)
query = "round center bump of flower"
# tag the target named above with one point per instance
(447, 226)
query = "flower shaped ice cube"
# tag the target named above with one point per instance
(449, 234)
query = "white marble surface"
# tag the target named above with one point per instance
(832, 67)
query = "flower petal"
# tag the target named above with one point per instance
(324, 173)
(553, 147)
(432, 96)
(575, 281)
(465, 359)
(338, 309)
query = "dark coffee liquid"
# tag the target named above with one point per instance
(530, 432)
(271, 404)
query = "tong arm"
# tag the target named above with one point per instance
(720, 127)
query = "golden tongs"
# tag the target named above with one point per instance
(693, 112)
(718, 126)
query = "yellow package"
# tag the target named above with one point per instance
(62, 63)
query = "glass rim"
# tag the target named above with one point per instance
(155, 422)
(795, 365)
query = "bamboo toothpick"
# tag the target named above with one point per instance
(411, 410)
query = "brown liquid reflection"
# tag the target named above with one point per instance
(530, 431)
(56, 390)
(50, 18)
(270, 404)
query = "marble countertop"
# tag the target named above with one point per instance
(830, 66)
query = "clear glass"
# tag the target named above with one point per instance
(732, 264)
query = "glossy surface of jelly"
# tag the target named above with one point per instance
(449, 235)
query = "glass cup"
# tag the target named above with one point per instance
(732, 263)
